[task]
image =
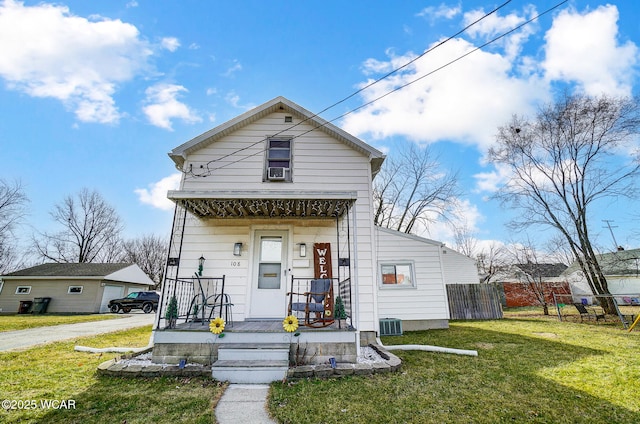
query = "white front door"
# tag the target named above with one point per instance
(269, 282)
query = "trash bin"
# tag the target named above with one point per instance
(25, 306)
(40, 305)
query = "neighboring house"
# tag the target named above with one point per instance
(523, 284)
(72, 287)
(620, 268)
(277, 197)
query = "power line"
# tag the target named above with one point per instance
(493, 40)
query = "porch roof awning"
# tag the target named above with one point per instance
(264, 204)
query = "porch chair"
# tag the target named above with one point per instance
(589, 313)
(318, 304)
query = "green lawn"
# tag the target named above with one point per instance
(56, 372)
(22, 322)
(534, 370)
(530, 369)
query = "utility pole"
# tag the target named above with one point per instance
(608, 221)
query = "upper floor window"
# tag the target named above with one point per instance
(278, 161)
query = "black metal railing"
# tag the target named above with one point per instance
(340, 292)
(196, 299)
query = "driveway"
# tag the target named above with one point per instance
(22, 339)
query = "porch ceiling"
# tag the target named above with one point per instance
(250, 204)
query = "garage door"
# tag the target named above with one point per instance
(110, 292)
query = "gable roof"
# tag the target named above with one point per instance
(124, 272)
(279, 104)
(542, 270)
(622, 262)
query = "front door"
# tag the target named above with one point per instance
(268, 297)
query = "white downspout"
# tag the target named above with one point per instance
(429, 348)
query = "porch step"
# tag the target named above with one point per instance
(251, 363)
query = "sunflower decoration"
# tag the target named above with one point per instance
(217, 325)
(290, 324)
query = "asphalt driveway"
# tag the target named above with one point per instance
(22, 339)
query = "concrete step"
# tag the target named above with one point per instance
(249, 372)
(253, 352)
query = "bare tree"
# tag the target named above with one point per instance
(533, 272)
(465, 240)
(561, 165)
(491, 261)
(90, 230)
(412, 190)
(12, 210)
(149, 252)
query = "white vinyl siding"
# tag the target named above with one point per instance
(427, 301)
(319, 163)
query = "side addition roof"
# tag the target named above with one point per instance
(123, 272)
(279, 104)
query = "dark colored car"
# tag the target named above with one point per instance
(147, 301)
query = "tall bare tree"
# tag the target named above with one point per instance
(490, 261)
(561, 163)
(149, 252)
(12, 210)
(90, 230)
(412, 191)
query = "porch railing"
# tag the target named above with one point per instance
(197, 299)
(341, 293)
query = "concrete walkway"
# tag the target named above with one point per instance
(243, 403)
(23, 339)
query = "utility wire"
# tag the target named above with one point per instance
(493, 40)
(365, 87)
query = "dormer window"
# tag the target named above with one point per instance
(278, 160)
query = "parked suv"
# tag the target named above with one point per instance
(147, 301)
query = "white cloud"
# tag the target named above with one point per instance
(49, 52)
(170, 43)
(163, 106)
(236, 67)
(584, 48)
(442, 11)
(491, 181)
(156, 194)
(465, 101)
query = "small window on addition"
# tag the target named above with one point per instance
(75, 290)
(397, 275)
(23, 289)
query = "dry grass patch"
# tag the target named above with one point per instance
(23, 322)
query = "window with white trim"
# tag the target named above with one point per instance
(23, 289)
(278, 159)
(398, 274)
(75, 290)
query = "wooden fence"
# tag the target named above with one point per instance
(474, 301)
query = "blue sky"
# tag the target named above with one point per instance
(94, 94)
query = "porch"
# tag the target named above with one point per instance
(199, 300)
(194, 343)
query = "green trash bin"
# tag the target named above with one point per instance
(40, 305)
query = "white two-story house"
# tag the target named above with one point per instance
(270, 201)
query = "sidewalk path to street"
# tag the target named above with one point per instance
(22, 339)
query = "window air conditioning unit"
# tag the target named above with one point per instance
(276, 173)
(390, 327)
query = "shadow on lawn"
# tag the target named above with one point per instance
(141, 400)
(502, 384)
(507, 375)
